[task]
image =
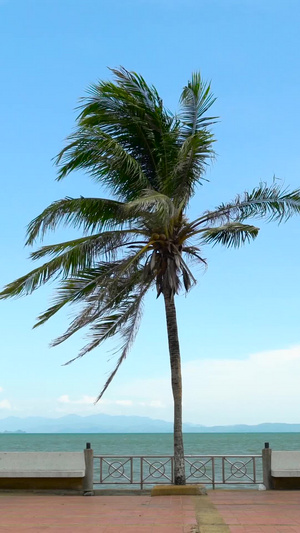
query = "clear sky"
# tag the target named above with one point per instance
(239, 328)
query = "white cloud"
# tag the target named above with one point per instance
(261, 388)
(264, 387)
(5, 404)
(157, 404)
(88, 400)
(127, 403)
(85, 405)
(84, 400)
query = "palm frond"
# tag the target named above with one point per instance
(107, 326)
(190, 167)
(154, 207)
(89, 214)
(127, 118)
(195, 140)
(128, 335)
(105, 244)
(233, 234)
(271, 203)
(71, 257)
(106, 292)
(188, 279)
(196, 99)
(193, 254)
(106, 159)
(80, 287)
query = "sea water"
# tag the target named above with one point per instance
(150, 443)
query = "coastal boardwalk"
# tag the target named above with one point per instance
(219, 512)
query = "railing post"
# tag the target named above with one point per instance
(266, 463)
(213, 473)
(88, 485)
(142, 473)
(223, 470)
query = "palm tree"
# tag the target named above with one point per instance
(150, 162)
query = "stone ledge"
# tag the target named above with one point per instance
(285, 473)
(178, 490)
(11, 474)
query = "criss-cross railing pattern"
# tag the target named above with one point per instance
(210, 470)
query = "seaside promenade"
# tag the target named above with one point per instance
(221, 511)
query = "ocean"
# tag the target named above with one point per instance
(150, 443)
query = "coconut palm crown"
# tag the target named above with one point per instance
(150, 162)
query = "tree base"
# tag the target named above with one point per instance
(178, 490)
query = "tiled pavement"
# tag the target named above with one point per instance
(220, 512)
(98, 514)
(257, 512)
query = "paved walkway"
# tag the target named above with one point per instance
(255, 512)
(96, 514)
(219, 512)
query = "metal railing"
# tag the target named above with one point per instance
(212, 470)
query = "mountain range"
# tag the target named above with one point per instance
(102, 423)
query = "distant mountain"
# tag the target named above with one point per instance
(102, 423)
(267, 427)
(14, 432)
(89, 424)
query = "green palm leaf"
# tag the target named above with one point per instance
(233, 234)
(190, 167)
(103, 157)
(81, 287)
(122, 122)
(196, 99)
(269, 202)
(70, 257)
(88, 214)
(101, 294)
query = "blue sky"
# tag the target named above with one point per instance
(239, 327)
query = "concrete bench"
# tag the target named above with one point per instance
(44, 470)
(285, 469)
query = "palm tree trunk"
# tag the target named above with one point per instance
(179, 470)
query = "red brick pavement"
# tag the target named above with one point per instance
(242, 511)
(102, 514)
(258, 512)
